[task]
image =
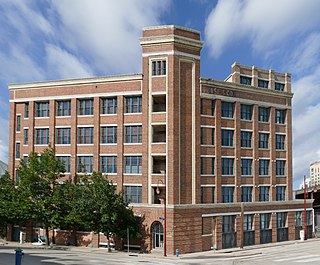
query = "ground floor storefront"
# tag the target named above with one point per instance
(193, 228)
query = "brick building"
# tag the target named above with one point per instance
(204, 145)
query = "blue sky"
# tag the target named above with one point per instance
(45, 40)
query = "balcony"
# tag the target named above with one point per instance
(159, 134)
(159, 103)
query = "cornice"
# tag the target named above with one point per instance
(80, 81)
(244, 88)
(171, 27)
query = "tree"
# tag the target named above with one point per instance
(37, 181)
(106, 210)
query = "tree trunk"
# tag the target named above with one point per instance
(108, 237)
(47, 235)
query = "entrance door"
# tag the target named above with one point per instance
(157, 235)
(15, 233)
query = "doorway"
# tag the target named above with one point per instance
(157, 235)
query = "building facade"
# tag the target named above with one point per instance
(314, 174)
(208, 149)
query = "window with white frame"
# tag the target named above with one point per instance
(133, 164)
(227, 165)
(264, 140)
(108, 164)
(263, 114)
(63, 135)
(159, 67)
(246, 194)
(25, 136)
(227, 138)
(133, 104)
(280, 116)
(42, 109)
(18, 123)
(227, 109)
(133, 134)
(246, 166)
(280, 193)
(280, 142)
(109, 105)
(41, 136)
(66, 162)
(280, 167)
(248, 222)
(85, 106)
(85, 135)
(264, 193)
(85, 164)
(264, 167)
(227, 194)
(108, 135)
(133, 194)
(246, 112)
(246, 139)
(63, 108)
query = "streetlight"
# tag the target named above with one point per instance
(163, 172)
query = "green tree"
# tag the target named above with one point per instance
(37, 181)
(106, 210)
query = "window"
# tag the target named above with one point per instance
(207, 194)
(281, 220)
(207, 107)
(133, 165)
(26, 159)
(42, 109)
(66, 161)
(108, 164)
(109, 105)
(263, 114)
(280, 193)
(265, 221)
(133, 134)
(280, 167)
(63, 108)
(108, 135)
(18, 150)
(263, 83)
(227, 194)
(228, 224)
(85, 164)
(280, 116)
(264, 140)
(264, 167)
(85, 107)
(246, 112)
(264, 193)
(298, 218)
(278, 86)
(206, 136)
(85, 135)
(280, 141)
(248, 222)
(227, 109)
(246, 167)
(227, 166)
(246, 194)
(42, 136)
(207, 166)
(245, 80)
(246, 139)
(133, 104)
(26, 110)
(159, 67)
(63, 136)
(227, 138)
(18, 123)
(25, 136)
(133, 194)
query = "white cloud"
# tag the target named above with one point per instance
(63, 64)
(4, 139)
(107, 31)
(264, 24)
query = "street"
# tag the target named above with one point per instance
(295, 253)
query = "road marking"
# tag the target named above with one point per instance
(308, 260)
(296, 257)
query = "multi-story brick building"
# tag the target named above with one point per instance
(205, 146)
(314, 174)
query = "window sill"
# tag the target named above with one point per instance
(206, 116)
(227, 118)
(41, 145)
(207, 175)
(108, 115)
(36, 118)
(159, 112)
(108, 143)
(264, 176)
(132, 143)
(85, 116)
(207, 145)
(246, 120)
(264, 122)
(247, 148)
(132, 174)
(158, 76)
(62, 117)
(132, 113)
(62, 144)
(85, 144)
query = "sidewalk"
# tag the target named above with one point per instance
(224, 253)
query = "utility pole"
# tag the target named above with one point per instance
(305, 208)
(242, 226)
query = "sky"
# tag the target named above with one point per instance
(52, 39)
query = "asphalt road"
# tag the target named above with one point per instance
(295, 253)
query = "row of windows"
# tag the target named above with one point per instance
(132, 104)
(246, 194)
(207, 165)
(245, 80)
(108, 135)
(227, 138)
(108, 164)
(246, 111)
